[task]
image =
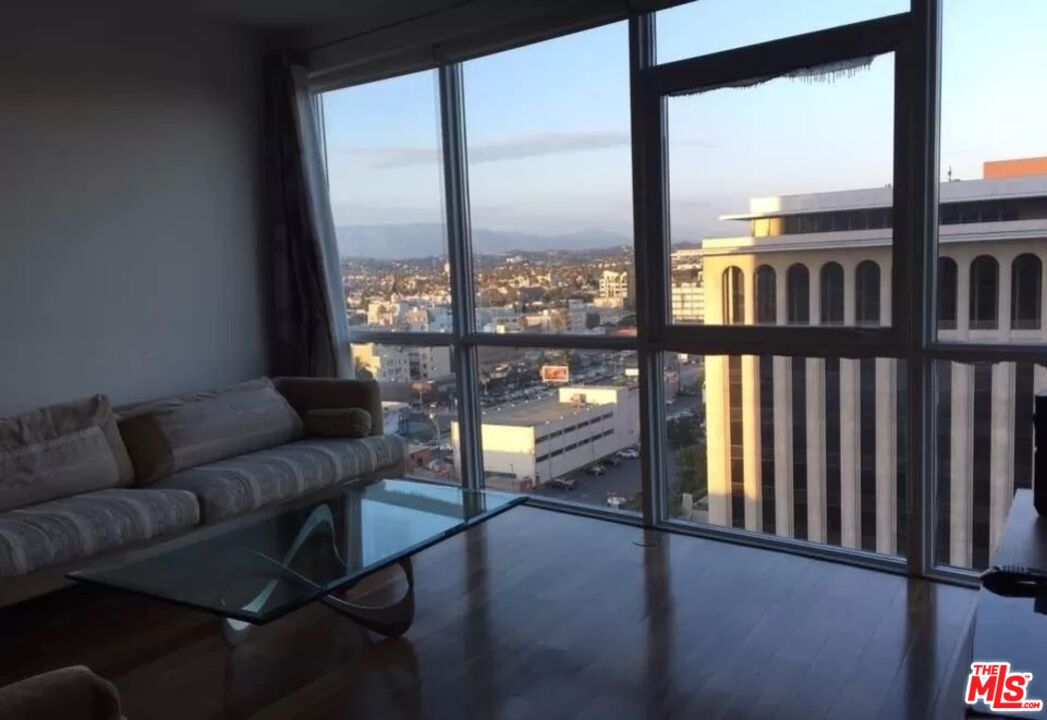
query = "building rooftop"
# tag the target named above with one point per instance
(531, 413)
(866, 198)
(1011, 180)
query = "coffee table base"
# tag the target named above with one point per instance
(391, 620)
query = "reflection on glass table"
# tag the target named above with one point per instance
(254, 571)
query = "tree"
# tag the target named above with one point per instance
(691, 477)
(691, 471)
(684, 431)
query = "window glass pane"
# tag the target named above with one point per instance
(562, 424)
(385, 174)
(983, 453)
(809, 448)
(707, 26)
(832, 294)
(993, 213)
(550, 183)
(1026, 292)
(419, 402)
(804, 199)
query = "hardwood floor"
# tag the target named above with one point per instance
(539, 614)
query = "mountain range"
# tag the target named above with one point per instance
(417, 240)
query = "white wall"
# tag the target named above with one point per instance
(130, 216)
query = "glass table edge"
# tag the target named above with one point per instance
(263, 618)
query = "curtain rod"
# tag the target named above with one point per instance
(630, 7)
(391, 25)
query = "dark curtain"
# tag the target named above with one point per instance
(303, 336)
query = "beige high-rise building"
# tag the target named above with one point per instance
(687, 296)
(815, 448)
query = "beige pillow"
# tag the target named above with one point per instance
(170, 435)
(338, 423)
(61, 450)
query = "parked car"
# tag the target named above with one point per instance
(628, 454)
(562, 483)
(612, 460)
(596, 469)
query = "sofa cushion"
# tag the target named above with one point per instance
(338, 423)
(170, 435)
(251, 481)
(61, 450)
(70, 693)
(63, 531)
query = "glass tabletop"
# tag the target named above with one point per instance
(261, 568)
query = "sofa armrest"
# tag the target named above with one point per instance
(72, 693)
(305, 394)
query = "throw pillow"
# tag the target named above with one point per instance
(338, 423)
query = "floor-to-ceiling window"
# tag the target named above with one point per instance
(990, 344)
(502, 231)
(679, 277)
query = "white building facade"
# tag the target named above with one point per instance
(815, 448)
(617, 286)
(402, 363)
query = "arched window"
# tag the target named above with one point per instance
(1025, 292)
(798, 293)
(867, 293)
(946, 293)
(733, 296)
(832, 294)
(766, 299)
(985, 283)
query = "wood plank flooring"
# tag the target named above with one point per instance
(539, 614)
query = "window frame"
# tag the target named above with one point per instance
(910, 37)
(914, 37)
(888, 34)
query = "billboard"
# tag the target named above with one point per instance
(556, 374)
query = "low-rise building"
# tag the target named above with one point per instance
(529, 443)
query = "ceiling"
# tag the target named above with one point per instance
(285, 15)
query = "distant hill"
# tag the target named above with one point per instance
(418, 240)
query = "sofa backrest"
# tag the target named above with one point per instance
(165, 436)
(61, 450)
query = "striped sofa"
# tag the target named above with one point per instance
(80, 482)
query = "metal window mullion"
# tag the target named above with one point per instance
(553, 341)
(807, 340)
(776, 57)
(988, 352)
(647, 112)
(916, 149)
(392, 337)
(456, 197)
(832, 553)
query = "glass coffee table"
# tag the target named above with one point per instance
(253, 570)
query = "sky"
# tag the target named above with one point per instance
(548, 130)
